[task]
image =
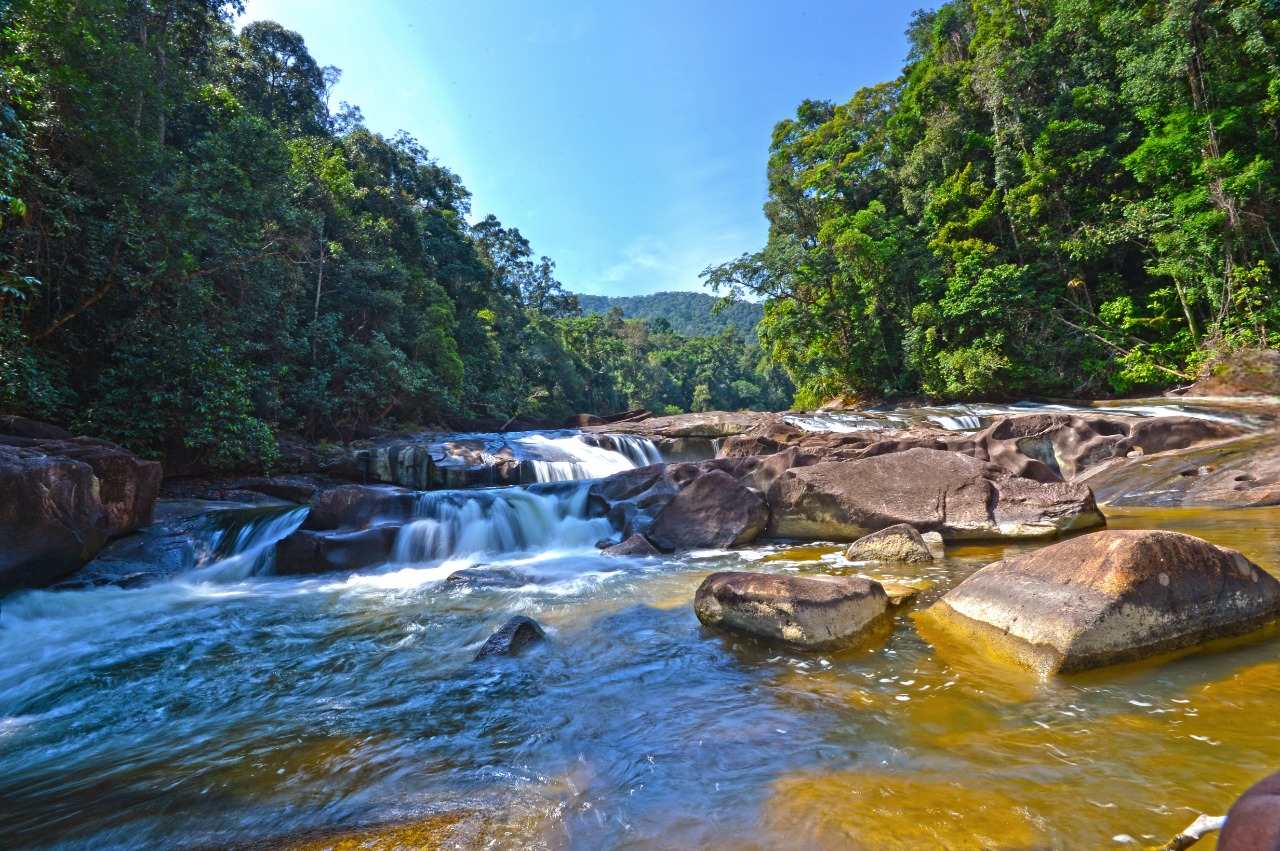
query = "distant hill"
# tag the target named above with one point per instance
(688, 312)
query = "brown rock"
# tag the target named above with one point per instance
(1253, 822)
(358, 506)
(51, 519)
(894, 543)
(512, 637)
(959, 496)
(1254, 373)
(1109, 597)
(306, 552)
(713, 510)
(127, 485)
(802, 613)
(637, 546)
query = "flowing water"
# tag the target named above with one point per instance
(229, 708)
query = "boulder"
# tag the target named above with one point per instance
(806, 613)
(16, 426)
(894, 543)
(511, 638)
(713, 510)
(712, 424)
(1253, 822)
(956, 495)
(358, 506)
(307, 551)
(127, 485)
(637, 546)
(52, 521)
(1107, 598)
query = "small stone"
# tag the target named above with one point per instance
(514, 635)
(485, 577)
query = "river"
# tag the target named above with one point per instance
(229, 708)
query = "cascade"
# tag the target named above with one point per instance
(573, 458)
(246, 545)
(471, 525)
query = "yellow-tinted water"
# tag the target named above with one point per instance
(328, 714)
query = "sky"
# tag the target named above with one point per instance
(627, 140)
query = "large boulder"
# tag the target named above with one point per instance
(637, 546)
(956, 495)
(52, 520)
(1107, 598)
(900, 543)
(350, 507)
(808, 613)
(713, 510)
(1253, 822)
(307, 552)
(127, 485)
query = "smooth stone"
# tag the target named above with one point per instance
(1253, 822)
(512, 637)
(900, 543)
(800, 612)
(1107, 598)
(307, 551)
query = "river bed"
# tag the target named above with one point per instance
(214, 711)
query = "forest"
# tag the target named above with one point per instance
(199, 251)
(688, 313)
(1055, 198)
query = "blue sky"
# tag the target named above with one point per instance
(626, 140)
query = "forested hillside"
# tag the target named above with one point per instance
(199, 250)
(1054, 197)
(688, 313)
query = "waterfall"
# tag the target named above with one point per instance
(246, 545)
(576, 457)
(473, 525)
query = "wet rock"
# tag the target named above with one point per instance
(512, 637)
(799, 612)
(958, 496)
(486, 577)
(900, 594)
(359, 506)
(1239, 473)
(933, 540)
(894, 543)
(51, 519)
(637, 546)
(1253, 822)
(713, 510)
(307, 551)
(1109, 597)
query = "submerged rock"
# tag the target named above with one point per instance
(512, 637)
(1107, 598)
(637, 546)
(485, 577)
(799, 612)
(713, 510)
(894, 543)
(958, 496)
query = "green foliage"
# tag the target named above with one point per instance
(689, 313)
(1054, 198)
